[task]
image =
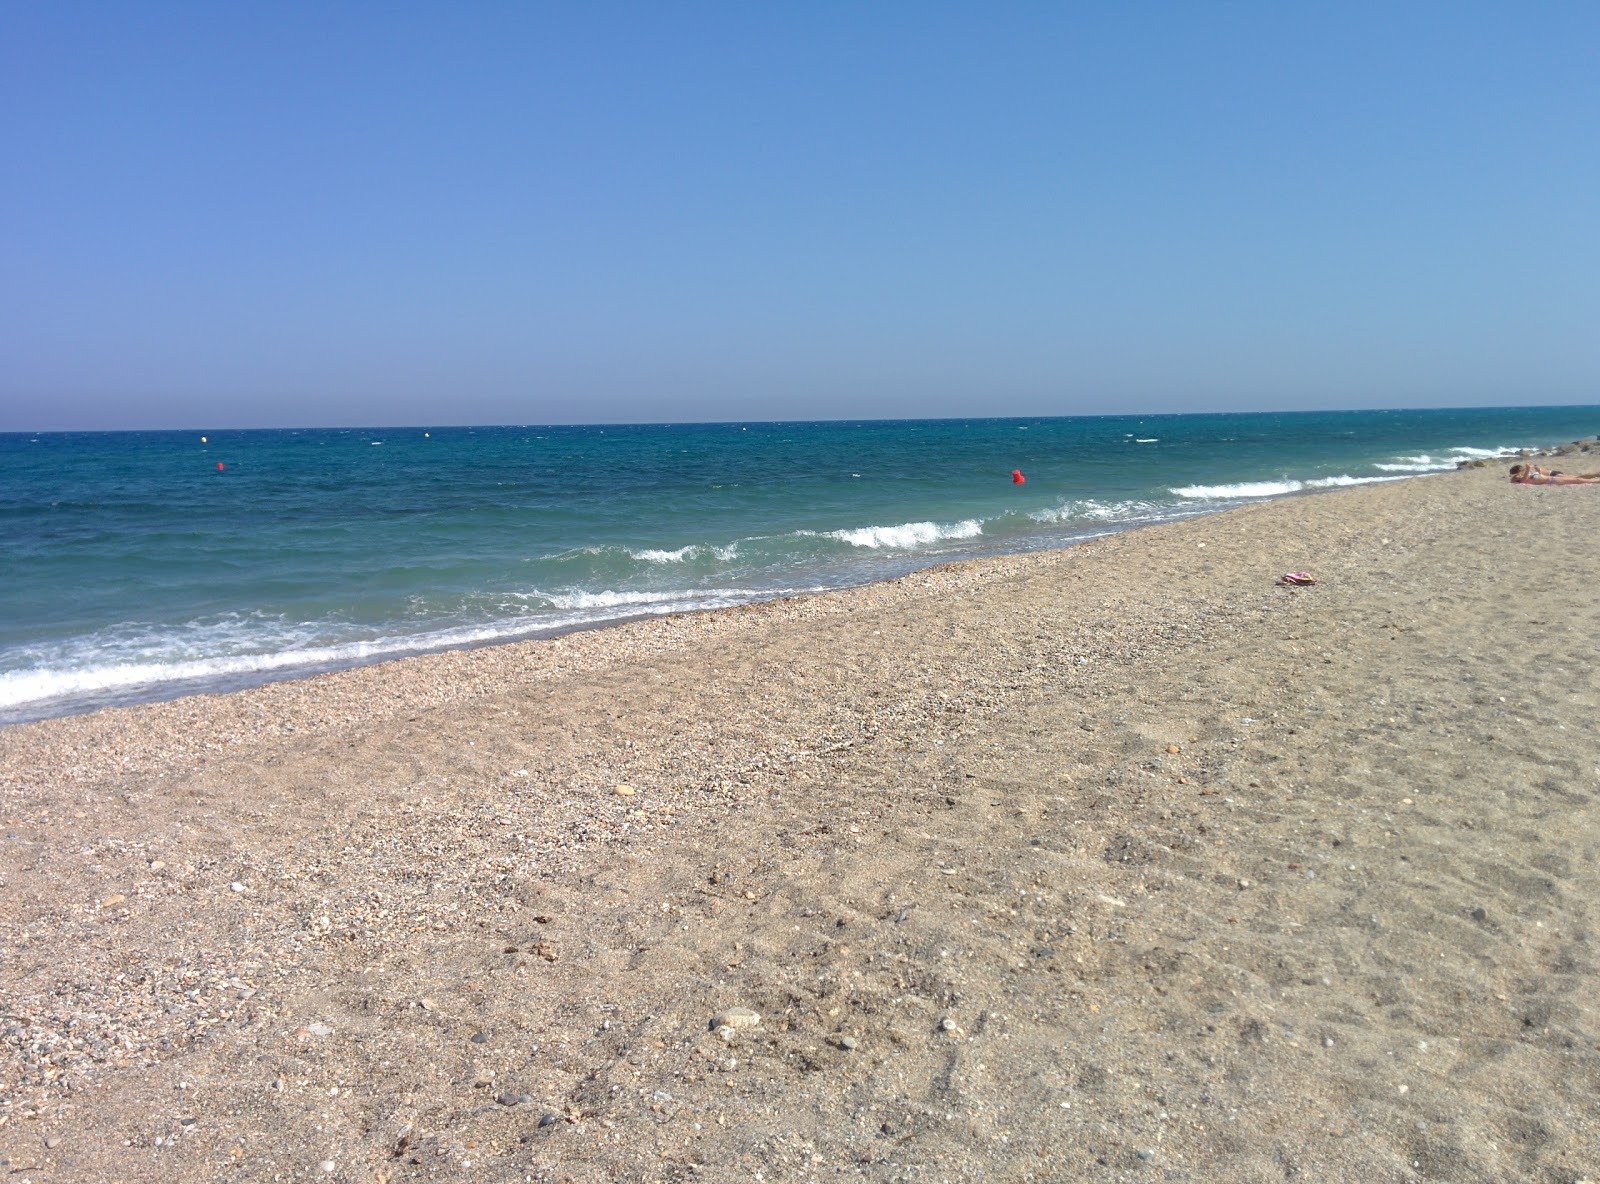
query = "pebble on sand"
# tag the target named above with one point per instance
(736, 1017)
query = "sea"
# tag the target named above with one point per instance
(139, 566)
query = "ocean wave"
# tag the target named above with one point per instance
(644, 600)
(90, 669)
(19, 687)
(1254, 489)
(1244, 489)
(1091, 510)
(1428, 463)
(653, 556)
(907, 534)
(1346, 479)
(686, 553)
(1484, 453)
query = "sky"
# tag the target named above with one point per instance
(256, 215)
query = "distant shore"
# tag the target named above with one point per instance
(1097, 861)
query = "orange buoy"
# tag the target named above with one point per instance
(219, 466)
(1016, 477)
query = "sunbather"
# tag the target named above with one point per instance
(1530, 474)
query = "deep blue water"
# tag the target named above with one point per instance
(133, 568)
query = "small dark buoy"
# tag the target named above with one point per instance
(1016, 477)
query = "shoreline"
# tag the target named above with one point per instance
(244, 684)
(72, 673)
(1082, 863)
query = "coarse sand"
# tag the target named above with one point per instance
(1119, 862)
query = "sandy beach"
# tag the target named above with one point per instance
(1117, 862)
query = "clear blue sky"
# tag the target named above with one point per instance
(250, 214)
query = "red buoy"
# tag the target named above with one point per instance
(1016, 476)
(219, 466)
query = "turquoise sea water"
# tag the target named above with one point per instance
(132, 567)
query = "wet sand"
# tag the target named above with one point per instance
(1118, 862)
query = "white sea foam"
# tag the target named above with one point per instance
(1417, 464)
(1246, 489)
(1251, 489)
(609, 599)
(1346, 479)
(29, 686)
(908, 534)
(684, 554)
(1427, 463)
(1483, 453)
(652, 556)
(1091, 510)
(90, 671)
(1148, 440)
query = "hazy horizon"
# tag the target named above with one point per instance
(624, 423)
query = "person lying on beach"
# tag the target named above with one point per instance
(1522, 474)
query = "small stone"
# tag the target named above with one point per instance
(1174, 749)
(157, 865)
(1244, 883)
(624, 791)
(480, 1038)
(236, 886)
(1147, 1156)
(507, 1099)
(53, 1142)
(848, 1042)
(327, 1166)
(426, 1004)
(1327, 1042)
(737, 1017)
(548, 1120)
(524, 1099)
(247, 993)
(1480, 914)
(113, 901)
(947, 1024)
(318, 1028)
